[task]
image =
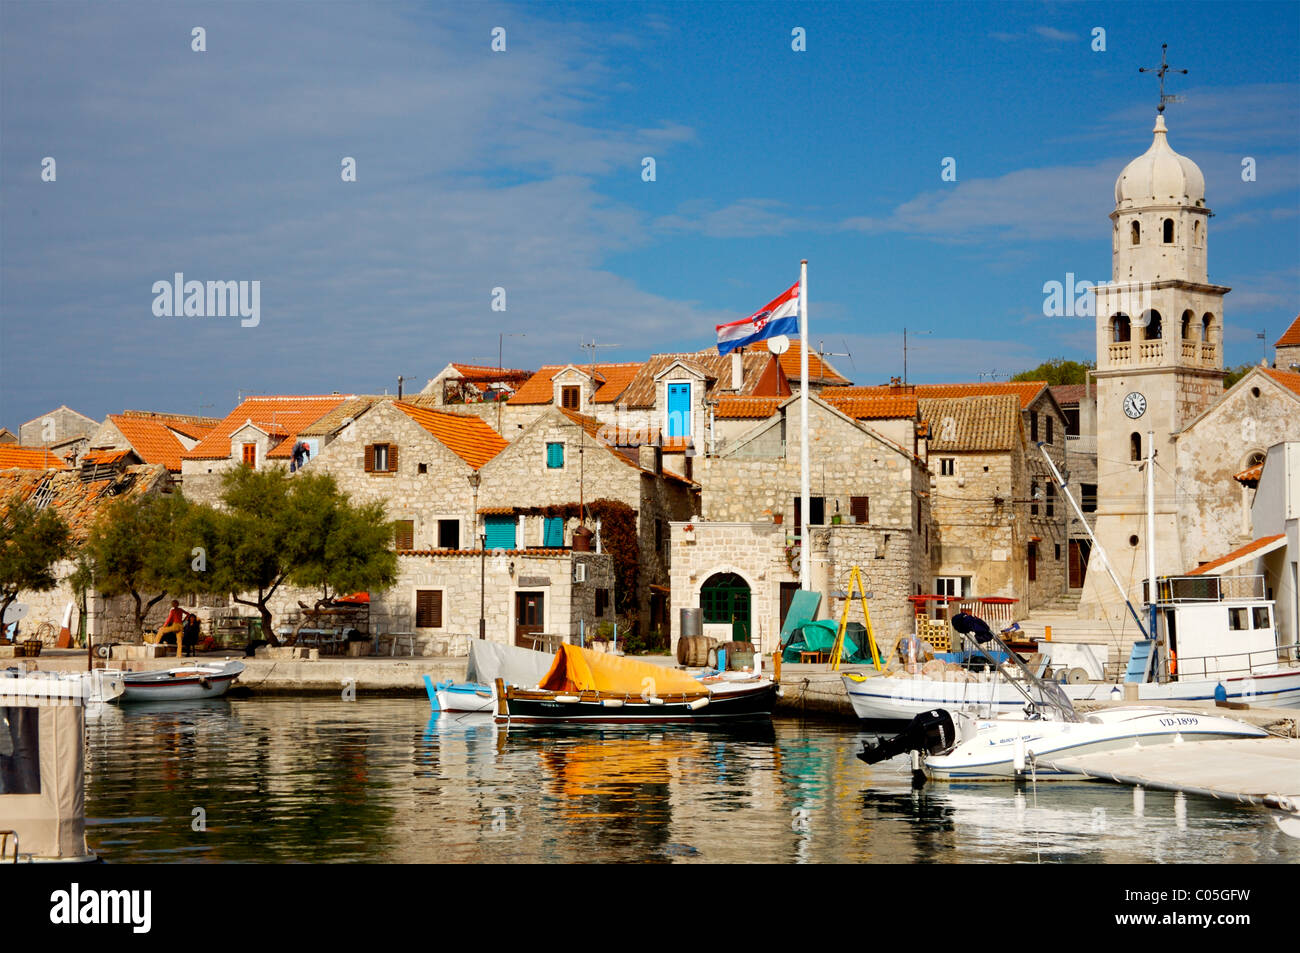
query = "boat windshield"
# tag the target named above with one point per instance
(1043, 696)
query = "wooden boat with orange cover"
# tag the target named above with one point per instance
(586, 687)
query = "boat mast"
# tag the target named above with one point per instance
(1151, 551)
(1056, 474)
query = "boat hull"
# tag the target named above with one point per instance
(1006, 748)
(536, 707)
(459, 696)
(880, 699)
(181, 684)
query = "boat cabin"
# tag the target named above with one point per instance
(1217, 626)
(42, 769)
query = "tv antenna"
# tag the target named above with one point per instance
(823, 353)
(1164, 68)
(992, 375)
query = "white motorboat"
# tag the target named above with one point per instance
(488, 661)
(961, 747)
(203, 680)
(94, 688)
(42, 768)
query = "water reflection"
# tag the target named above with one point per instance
(378, 780)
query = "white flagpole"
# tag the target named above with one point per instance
(805, 540)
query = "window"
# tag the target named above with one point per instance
(1071, 421)
(449, 534)
(1033, 495)
(500, 531)
(952, 586)
(1261, 617)
(20, 770)
(1051, 505)
(553, 532)
(423, 468)
(381, 458)
(1033, 428)
(1153, 325)
(1196, 234)
(554, 456)
(428, 608)
(602, 602)
(1088, 497)
(250, 456)
(816, 512)
(1188, 323)
(860, 509)
(1033, 562)
(947, 466)
(1051, 421)
(1135, 446)
(571, 397)
(1058, 552)
(1207, 327)
(1169, 231)
(1121, 327)
(404, 534)
(679, 410)
(1135, 233)
(1238, 620)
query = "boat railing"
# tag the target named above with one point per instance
(1172, 590)
(1249, 663)
(1041, 697)
(4, 845)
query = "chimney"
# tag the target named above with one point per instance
(737, 370)
(645, 456)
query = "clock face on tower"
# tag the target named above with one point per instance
(1135, 405)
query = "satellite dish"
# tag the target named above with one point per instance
(17, 610)
(779, 344)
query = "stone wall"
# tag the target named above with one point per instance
(58, 426)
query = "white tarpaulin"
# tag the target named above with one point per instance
(523, 668)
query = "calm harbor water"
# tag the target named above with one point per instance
(321, 780)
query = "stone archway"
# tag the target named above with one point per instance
(728, 597)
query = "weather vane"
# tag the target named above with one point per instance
(1164, 68)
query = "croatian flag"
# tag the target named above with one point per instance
(780, 316)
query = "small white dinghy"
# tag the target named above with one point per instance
(488, 661)
(204, 680)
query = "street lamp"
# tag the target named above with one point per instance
(475, 479)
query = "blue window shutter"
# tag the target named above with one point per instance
(555, 455)
(500, 532)
(553, 535)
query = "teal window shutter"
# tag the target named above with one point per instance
(553, 535)
(500, 532)
(554, 456)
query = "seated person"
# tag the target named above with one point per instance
(174, 623)
(190, 631)
(920, 650)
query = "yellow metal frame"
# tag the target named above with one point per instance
(855, 580)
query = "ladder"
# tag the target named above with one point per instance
(855, 581)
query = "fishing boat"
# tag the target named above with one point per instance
(956, 746)
(585, 687)
(488, 661)
(204, 680)
(42, 769)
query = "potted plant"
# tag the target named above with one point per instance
(778, 518)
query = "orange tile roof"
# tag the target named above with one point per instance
(1291, 338)
(80, 502)
(284, 415)
(480, 372)
(731, 407)
(470, 438)
(617, 377)
(1025, 391)
(874, 407)
(972, 423)
(1236, 554)
(613, 380)
(105, 456)
(1250, 474)
(1288, 379)
(29, 458)
(151, 436)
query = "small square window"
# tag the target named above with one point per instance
(555, 456)
(423, 468)
(1261, 617)
(947, 466)
(571, 397)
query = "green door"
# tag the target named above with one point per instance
(725, 598)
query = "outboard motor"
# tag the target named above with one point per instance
(930, 732)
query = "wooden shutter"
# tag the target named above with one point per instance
(428, 608)
(860, 509)
(370, 458)
(392, 458)
(404, 534)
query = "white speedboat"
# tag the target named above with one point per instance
(203, 680)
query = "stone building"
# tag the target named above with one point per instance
(1079, 404)
(1286, 356)
(62, 431)
(153, 437)
(80, 496)
(260, 432)
(999, 523)
(869, 507)
(562, 457)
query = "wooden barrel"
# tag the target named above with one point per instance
(692, 650)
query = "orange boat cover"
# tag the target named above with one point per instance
(582, 670)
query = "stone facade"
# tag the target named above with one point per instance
(57, 428)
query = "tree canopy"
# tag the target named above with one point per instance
(32, 541)
(1057, 371)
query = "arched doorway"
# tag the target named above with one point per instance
(724, 597)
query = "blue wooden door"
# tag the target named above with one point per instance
(679, 410)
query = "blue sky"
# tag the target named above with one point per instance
(522, 170)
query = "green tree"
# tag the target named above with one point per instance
(32, 541)
(1058, 371)
(1234, 374)
(302, 530)
(140, 547)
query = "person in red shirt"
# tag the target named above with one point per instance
(174, 623)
